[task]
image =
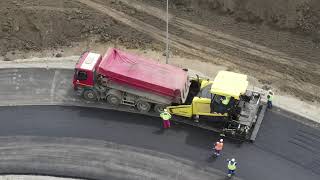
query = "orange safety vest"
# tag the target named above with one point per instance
(219, 146)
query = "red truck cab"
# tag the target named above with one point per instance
(85, 70)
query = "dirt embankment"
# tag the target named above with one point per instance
(281, 59)
(297, 15)
(36, 25)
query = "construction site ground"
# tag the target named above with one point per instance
(207, 41)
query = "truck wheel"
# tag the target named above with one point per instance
(143, 106)
(113, 100)
(90, 95)
(159, 108)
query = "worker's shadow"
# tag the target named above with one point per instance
(212, 158)
(160, 131)
(174, 127)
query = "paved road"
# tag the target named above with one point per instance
(94, 159)
(41, 86)
(285, 149)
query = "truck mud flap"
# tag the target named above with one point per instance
(258, 123)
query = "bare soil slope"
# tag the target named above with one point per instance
(39, 24)
(278, 58)
(296, 15)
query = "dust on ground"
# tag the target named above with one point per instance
(279, 59)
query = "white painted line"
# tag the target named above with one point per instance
(53, 86)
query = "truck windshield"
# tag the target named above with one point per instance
(81, 75)
(205, 92)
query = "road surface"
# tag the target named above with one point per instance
(284, 149)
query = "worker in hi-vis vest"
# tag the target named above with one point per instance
(226, 100)
(269, 97)
(232, 166)
(218, 146)
(166, 116)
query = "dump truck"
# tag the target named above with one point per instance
(122, 78)
(224, 105)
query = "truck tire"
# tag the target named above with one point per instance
(159, 108)
(143, 106)
(90, 95)
(113, 100)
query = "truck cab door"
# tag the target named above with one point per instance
(84, 78)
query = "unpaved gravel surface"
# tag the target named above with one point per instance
(279, 59)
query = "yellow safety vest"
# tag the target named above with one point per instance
(226, 101)
(270, 97)
(232, 166)
(165, 116)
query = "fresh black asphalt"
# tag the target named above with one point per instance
(284, 149)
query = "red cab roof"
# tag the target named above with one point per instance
(88, 61)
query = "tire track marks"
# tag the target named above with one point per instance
(248, 57)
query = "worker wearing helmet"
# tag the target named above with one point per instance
(232, 166)
(269, 97)
(225, 100)
(166, 116)
(218, 147)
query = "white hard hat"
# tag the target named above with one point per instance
(233, 159)
(165, 110)
(221, 140)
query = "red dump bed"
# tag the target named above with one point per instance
(141, 73)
